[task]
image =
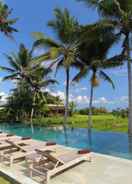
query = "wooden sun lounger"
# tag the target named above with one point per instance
(16, 152)
(12, 138)
(4, 145)
(3, 135)
(19, 151)
(55, 164)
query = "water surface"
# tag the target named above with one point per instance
(116, 144)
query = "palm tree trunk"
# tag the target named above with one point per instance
(66, 106)
(130, 97)
(90, 108)
(67, 99)
(129, 68)
(32, 113)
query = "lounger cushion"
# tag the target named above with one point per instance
(84, 151)
(50, 143)
(25, 138)
(10, 135)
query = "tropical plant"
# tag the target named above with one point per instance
(19, 102)
(39, 80)
(97, 40)
(119, 14)
(23, 69)
(63, 52)
(72, 107)
(20, 65)
(5, 22)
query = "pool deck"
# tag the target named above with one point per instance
(102, 170)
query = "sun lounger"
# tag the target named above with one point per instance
(55, 164)
(14, 153)
(18, 151)
(4, 145)
(3, 134)
(12, 138)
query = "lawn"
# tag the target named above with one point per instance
(4, 181)
(100, 122)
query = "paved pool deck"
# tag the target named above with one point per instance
(102, 170)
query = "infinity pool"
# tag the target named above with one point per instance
(116, 144)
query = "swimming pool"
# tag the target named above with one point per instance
(116, 144)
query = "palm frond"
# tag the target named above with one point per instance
(105, 77)
(10, 70)
(13, 61)
(48, 82)
(45, 42)
(81, 74)
(41, 58)
(11, 77)
(114, 61)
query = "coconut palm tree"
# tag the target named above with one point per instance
(22, 68)
(93, 53)
(5, 22)
(20, 65)
(119, 13)
(39, 80)
(63, 50)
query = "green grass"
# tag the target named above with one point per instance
(100, 122)
(4, 181)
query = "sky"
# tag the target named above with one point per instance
(33, 16)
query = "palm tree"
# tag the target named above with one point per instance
(23, 68)
(5, 22)
(20, 64)
(39, 80)
(119, 13)
(97, 40)
(63, 52)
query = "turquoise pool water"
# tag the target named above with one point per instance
(116, 144)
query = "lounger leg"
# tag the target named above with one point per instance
(89, 158)
(30, 171)
(47, 178)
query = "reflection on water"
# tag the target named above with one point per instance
(117, 144)
(130, 143)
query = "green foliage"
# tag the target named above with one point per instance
(4, 181)
(5, 22)
(72, 107)
(106, 122)
(95, 110)
(120, 113)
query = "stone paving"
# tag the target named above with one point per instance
(102, 170)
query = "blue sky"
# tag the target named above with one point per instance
(33, 16)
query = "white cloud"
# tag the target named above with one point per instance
(102, 100)
(83, 100)
(124, 99)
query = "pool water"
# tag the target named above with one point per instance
(116, 144)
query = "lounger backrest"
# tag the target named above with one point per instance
(16, 145)
(50, 157)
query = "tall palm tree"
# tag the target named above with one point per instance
(20, 64)
(93, 53)
(5, 22)
(22, 68)
(62, 51)
(39, 80)
(119, 13)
